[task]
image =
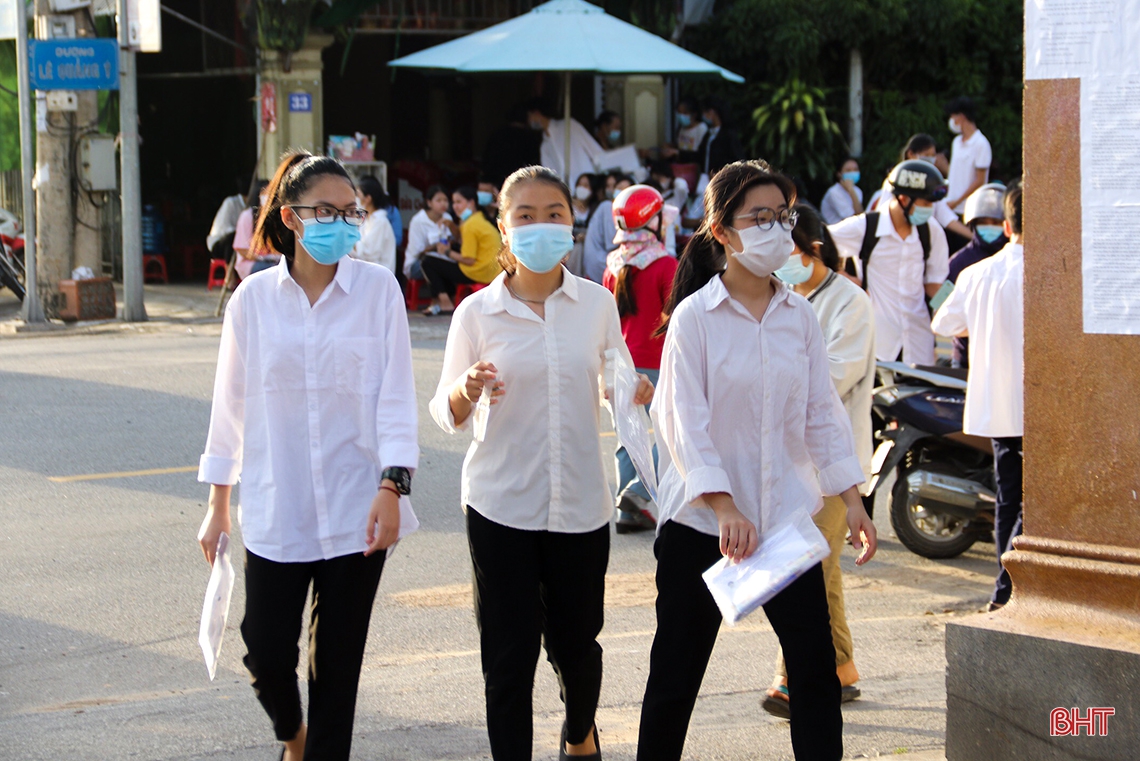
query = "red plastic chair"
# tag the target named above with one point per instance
(215, 280)
(463, 291)
(154, 268)
(412, 295)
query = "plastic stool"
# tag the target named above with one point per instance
(154, 273)
(214, 280)
(412, 297)
(463, 291)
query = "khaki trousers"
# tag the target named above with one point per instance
(832, 522)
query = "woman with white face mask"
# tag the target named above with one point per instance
(753, 432)
(315, 409)
(523, 367)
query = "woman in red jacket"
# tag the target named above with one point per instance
(640, 273)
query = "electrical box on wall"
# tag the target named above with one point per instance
(97, 165)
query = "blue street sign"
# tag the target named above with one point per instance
(87, 64)
(300, 102)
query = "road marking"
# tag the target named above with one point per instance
(122, 474)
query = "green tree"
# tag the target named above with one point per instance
(793, 130)
(917, 55)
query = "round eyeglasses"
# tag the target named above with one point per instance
(326, 215)
(766, 218)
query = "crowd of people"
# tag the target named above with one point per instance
(754, 321)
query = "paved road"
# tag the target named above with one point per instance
(103, 585)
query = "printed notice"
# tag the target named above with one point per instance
(1067, 39)
(1110, 203)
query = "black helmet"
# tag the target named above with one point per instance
(917, 179)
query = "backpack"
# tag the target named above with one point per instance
(871, 239)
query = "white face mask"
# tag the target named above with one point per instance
(955, 127)
(582, 193)
(765, 251)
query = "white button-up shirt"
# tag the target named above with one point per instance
(539, 466)
(749, 408)
(987, 301)
(848, 322)
(310, 405)
(896, 283)
(377, 242)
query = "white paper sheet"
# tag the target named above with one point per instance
(1067, 39)
(216, 607)
(1110, 203)
(784, 554)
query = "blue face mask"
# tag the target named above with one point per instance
(330, 243)
(484, 198)
(920, 215)
(794, 272)
(684, 120)
(614, 136)
(542, 246)
(465, 215)
(989, 233)
(852, 176)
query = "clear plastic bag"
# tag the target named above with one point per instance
(783, 556)
(481, 414)
(629, 420)
(216, 608)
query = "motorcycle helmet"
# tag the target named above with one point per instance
(636, 206)
(985, 203)
(917, 179)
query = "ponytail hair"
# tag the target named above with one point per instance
(704, 256)
(623, 291)
(295, 175)
(809, 231)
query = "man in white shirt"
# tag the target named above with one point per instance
(970, 154)
(584, 149)
(986, 305)
(902, 260)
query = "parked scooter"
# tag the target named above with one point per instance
(943, 498)
(12, 265)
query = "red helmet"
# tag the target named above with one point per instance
(635, 206)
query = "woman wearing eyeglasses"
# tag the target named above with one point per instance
(753, 432)
(315, 409)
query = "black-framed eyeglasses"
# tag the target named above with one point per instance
(766, 218)
(326, 215)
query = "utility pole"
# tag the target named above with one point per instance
(33, 310)
(855, 104)
(134, 310)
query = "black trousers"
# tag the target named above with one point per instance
(343, 591)
(532, 586)
(687, 625)
(1007, 510)
(443, 275)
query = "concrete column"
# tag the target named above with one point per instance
(1070, 635)
(295, 129)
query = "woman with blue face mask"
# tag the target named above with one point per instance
(523, 367)
(315, 409)
(476, 262)
(845, 198)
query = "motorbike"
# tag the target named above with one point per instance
(12, 265)
(942, 501)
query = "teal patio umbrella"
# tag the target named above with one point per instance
(568, 36)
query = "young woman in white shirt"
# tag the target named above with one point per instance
(377, 239)
(753, 430)
(534, 488)
(848, 324)
(315, 409)
(430, 233)
(845, 198)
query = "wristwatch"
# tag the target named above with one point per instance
(402, 477)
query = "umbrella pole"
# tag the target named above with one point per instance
(566, 119)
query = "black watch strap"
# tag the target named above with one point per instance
(401, 477)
